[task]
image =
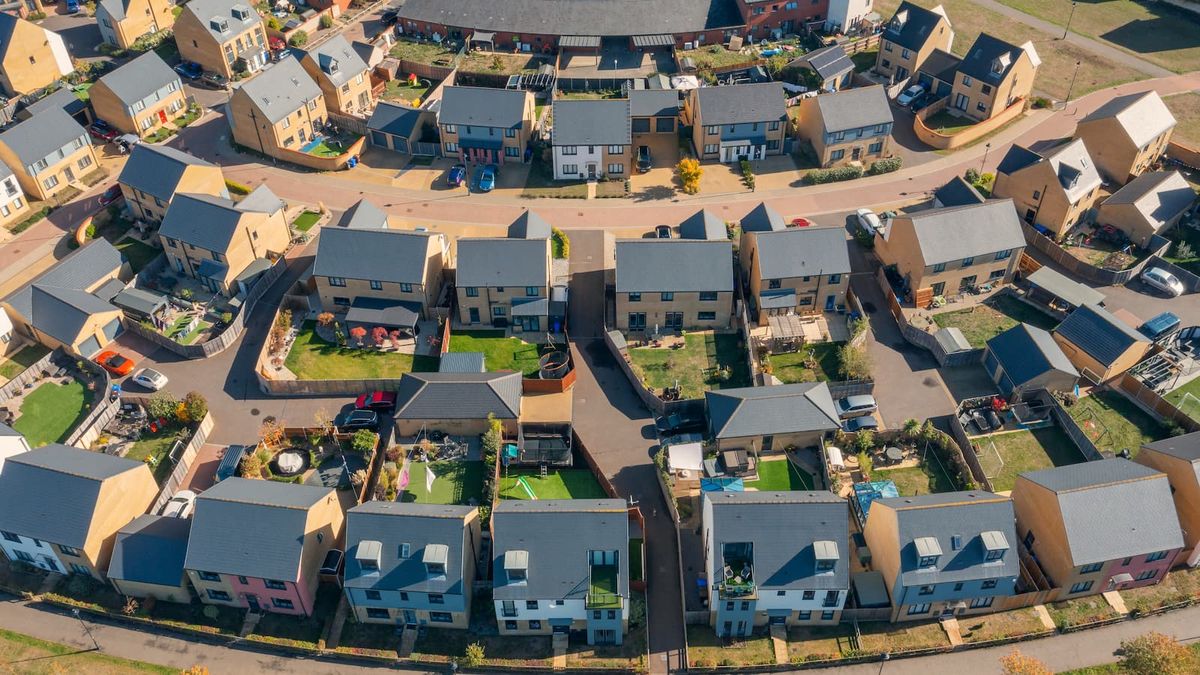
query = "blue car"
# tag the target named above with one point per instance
(189, 70)
(73, 6)
(487, 178)
(457, 175)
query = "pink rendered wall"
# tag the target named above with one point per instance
(302, 603)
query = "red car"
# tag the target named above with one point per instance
(111, 195)
(103, 131)
(376, 400)
(114, 363)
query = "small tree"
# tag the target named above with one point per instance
(273, 23)
(358, 333)
(298, 39)
(323, 423)
(195, 406)
(394, 453)
(865, 465)
(358, 478)
(162, 405)
(561, 242)
(1016, 663)
(363, 442)
(1157, 654)
(856, 362)
(864, 441)
(395, 336)
(271, 433)
(972, 177)
(473, 656)
(326, 21)
(911, 428)
(378, 335)
(325, 318)
(689, 171)
(250, 466)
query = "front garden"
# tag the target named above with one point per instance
(702, 361)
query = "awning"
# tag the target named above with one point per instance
(653, 40)
(481, 143)
(738, 142)
(538, 307)
(480, 36)
(686, 456)
(139, 302)
(211, 269)
(579, 41)
(1068, 290)
(778, 300)
(381, 312)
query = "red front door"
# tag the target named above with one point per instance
(162, 116)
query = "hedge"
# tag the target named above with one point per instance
(237, 188)
(30, 221)
(841, 173)
(886, 165)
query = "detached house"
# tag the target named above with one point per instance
(504, 282)
(1098, 526)
(342, 75)
(804, 270)
(48, 153)
(1053, 192)
(592, 139)
(993, 76)
(259, 544)
(908, 39)
(1099, 344)
(1127, 135)
(486, 125)
(743, 121)
(122, 22)
(280, 110)
(1148, 205)
(224, 36)
(560, 565)
(763, 420)
(458, 403)
(850, 126)
(944, 555)
(140, 97)
(154, 174)
(1179, 458)
(411, 564)
(760, 578)
(674, 284)
(61, 507)
(31, 57)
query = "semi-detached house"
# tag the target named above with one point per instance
(910, 37)
(592, 139)
(485, 125)
(1054, 191)
(154, 174)
(743, 121)
(504, 282)
(804, 270)
(48, 153)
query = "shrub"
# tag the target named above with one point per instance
(747, 173)
(971, 176)
(36, 16)
(326, 21)
(864, 461)
(1041, 102)
(1184, 250)
(273, 23)
(689, 174)
(561, 242)
(363, 442)
(864, 441)
(886, 165)
(841, 173)
(32, 220)
(162, 406)
(856, 362)
(250, 466)
(473, 656)
(1016, 663)
(90, 231)
(298, 39)
(195, 406)
(237, 188)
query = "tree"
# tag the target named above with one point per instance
(689, 171)
(1157, 654)
(856, 362)
(1016, 663)
(473, 657)
(271, 433)
(972, 177)
(378, 335)
(865, 440)
(250, 466)
(195, 406)
(363, 442)
(324, 423)
(358, 333)
(298, 39)
(162, 406)
(326, 21)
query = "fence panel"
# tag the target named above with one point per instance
(968, 451)
(30, 374)
(186, 457)
(1067, 423)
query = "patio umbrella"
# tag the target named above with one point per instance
(404, 478)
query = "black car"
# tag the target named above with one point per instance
(643, 159)
(662, 231)
(355, 420)
(921, 102)
(390, 17)
(670, 425)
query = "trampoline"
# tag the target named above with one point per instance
(290, 462)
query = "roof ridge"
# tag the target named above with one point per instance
(1110, 483)
(995, 499)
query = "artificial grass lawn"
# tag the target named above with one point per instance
(156, 445)
(779, 475)
(705, 649)
(635, 559)
(985, 321)
(20, 360)
(138, 253)
(499, 352)
(32, 656)
(1025, 450)
(1190, 407)
(945, 123)
(928, 478)
(560, 484)
(328, 148)
(305, 221)
(603, 586)
(1186, 109)
(1114, 423)
(454, 482)
(312, 358)
(694, 365)
(792, 368)
(175, 332)
(864, 61)
(51, 411)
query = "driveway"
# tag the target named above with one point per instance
(79, 31)
(912, 150)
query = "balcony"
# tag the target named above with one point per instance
(602, 590)
(738, 581)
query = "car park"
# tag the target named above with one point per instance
(676, 423)
(180, 506)
(150, 379)
(855, 406)
(909, 95)
(1162, 280)
(487, 178)
(868, 222)
(644, 162)
(864, 423)
(102, 131)
(115, 363)
(355, 420)
(189, 70)
(376, 400)
(457, 175)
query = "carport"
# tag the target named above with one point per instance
(140, 304)
(488, 39)
(582, 43)
(1060, 292)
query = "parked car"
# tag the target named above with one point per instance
(662, 231)
(457, 175)
(115, 363)
(357, 419)
(801, 222)
(921, 102)
(73, 7)
(855, 406)
(212, 81)
(669, 425)
(906, 98)
(150, 379)
(180, 506)
(1160, 279)
(1161, 327)
(487, 178)
(376, 400)
(189, 70)
(868, 222)
(111, 195)
(643, 159)
(125, 142)
(103, 131)
(864, 423)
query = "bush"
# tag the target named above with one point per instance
(250, 466)
(561, 242)
(1157, 654)
(971, 176)
(162, 406)
(473, 656)
(237, 188)
(856, 362)
(36, 16)
(841, 173)
(886, 165)
(273, 23)
(195, 406)
(326, 21)
(363, 442)
(33, 219)
(90, 231)
(298, 39)
(689, 174)
(1041, 102)
(747, 173)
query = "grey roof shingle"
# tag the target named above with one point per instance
(462, 362)
(802, 252)
(56, 303)
(1158, 195)
(206, 10)
(252, 528)
(1112, 508)
(35, 138)
(150, 550)
(1185, 447)
(591, 122)
(943, 65)
(615, 18)
(203, 221)
(762, 218)
(395, 119)
(260, 200)
(990, 59)
(780, 409)
(115, 8)
(64, 99)
(911, 25)
(1076, 171)
(1066, 289)
(482, 107)
(494, 261)
(783, 562)
(742, 104)
(375, 255)
(855, 108)
(828, 62)
(140, 78)
(1028, 351)
(418, 525)
(1018, 157)
(653, 103)
(364, 215)
(157, 169)
(557, 535)
(529, 225)
(704, 224)
(338, 60)
(958, 192)
(674, 265)
(1143, 116)
(958, 232)
(1097, 332)
(281, 89)
(458, 396)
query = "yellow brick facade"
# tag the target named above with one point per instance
(142, 17)
(144, 122)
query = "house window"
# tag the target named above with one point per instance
(994, 555)
(1037, 194)
(1155, 557)
(616, 169)
(996, 274)
(441, 617)
(875, 148)
(773, 144)
(635, 297)
(708, 296)
(282, 603)
(926, 590)
(836, 155)
(773, 126)
(214, 594)
(887, 46)
(452, 148)
(711, 148)
(1082, 587)
(706, 316)
(406, 288)
(376, 285)
(498, 311)
(341, 300)
(967, 262)
(927, 561)
(981, 107)
(827, 615)
(745, 606)
(570, 150)
(243, 580)
(781, 594)
(1004, 255)
(712, 131)
(667, 297)
(209, 576)
(809, 595)
(535, 624)
(373, 595)
(510, 133)
(378, 613)
(837, 136)
(9, 536)
(616, 149)
(825, 565)
(1125, 562)
(728, 608)
(904, 53)
(986, 89)
(918, 609)
(570, 168)
(977, 603)
(966, 80)
(67, 550)
(958, 586)
(22, 555)
(1089, 569)
(531, 604)
(510, 625)
(450, 129)
(50, 182)
(531, 291)
(510, 151)
(337, 281)
(835, 278)
(989, 583)
(436, 599)
(472, 292)
(85, 161)
(275, 585)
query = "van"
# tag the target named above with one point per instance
(1160, 327)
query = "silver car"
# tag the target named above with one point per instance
(180, 506)
(1157, 277)
(855, 406)
(150, 379)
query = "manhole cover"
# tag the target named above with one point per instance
(254, 411)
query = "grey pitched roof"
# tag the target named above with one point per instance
(280, 89)
(704, 224)
(338, 60)
(458, 396)
(557, 535)
(591, 122)
(653, 103)
(942, 64)
(462, 362)
(990, 59)
(6, 430)
(157, 169)
(206, 10)
(854, 108)
(1064, 288)
(42, 134)
(114, 8)
(529, 225)
(418, 525)
(150, 550)
(762, 218)
(394, 118)
(56, 303)
(51, 493)
(958, 192)
(958, 232)
(364, 215)
(1185, 447)
(140, 77)
(1112, 508)
(780, 409)
(742, 103)
(261, 200)
(802, 252)
(943, 516)
(1075, 169)
(828, 61)
(1158, 195)
(674, 265)
(911, 25)
(1143, 116)
(201, 220)
(616, 18)
(482, 107)
(63, 98)
(783, 562)
(1018, 157)
(494, 261)
(374, 255)
(1028, 351)
(1098, 333)
(252, 528)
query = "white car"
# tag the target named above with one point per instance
(181, 505)
(1157, 277)
(868, 221)
(150, 379)
(906, 98)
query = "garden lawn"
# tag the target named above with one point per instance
(328, 148)
(1187, 235)
(24, 357)
(985, 321)
(540, 184)
(885, 637)
(779, 475)
(1179, 586)
(32, 656)
(139, 254)
(1000, 625)
(945, 123)
(51, 411)
(716, 56)
(818, 643)
(454, 482)
(1081, 610)
(298, 631)
(440, 645)
(694, 365)
(864, 61)
(401, 90)
(1114, 423)
(1190, 406)
(305, 221)
(1186, 109)
(705, 649)
(560, 484)
(499, 352)
(422, 52)
(156, 446)
(791, 368)
(1025, 450)
(312, 358)
(925, 479)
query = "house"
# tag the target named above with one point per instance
(485, 125)
(803, 270)
(957, 192)
(743, 121)
(278, 111)
(1148, 205)
(11, 441)
(48, 153)
(830, 68)
(398, 268)
(592, 139)
(1098, 344)
(31, 57)
(69, 304)
(411, 564)
(154, 174)
(342, 75)
(848, 126)
(909, 37)
(771, 419)
(1127, 135)
(140, 97)
(147, 559)
(762, 218)
(457, 404)
(772, 20)
(1026, 358)
(760, 578)
(504, 282)
(560, 565)
(848, 16)
(13, 206)
(993, 76)
(1179, 459)
(1053, 192)
(944, 555)
(953, 249)
(94, 496)
(393, 126)
(122, 22)
(218, 241)
(269, 562)
(1098, 526)
(674, 284)
(226, 37)
(653, 111)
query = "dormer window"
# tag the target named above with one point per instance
(218, 24)
(516, 565)
(405, 550)
(928, 551)
(333, 66)
(435, 558)
(241, 13)
(826, 554)
(995, 545)
(368, 555)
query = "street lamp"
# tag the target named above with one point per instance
(95, 645)
(1069, 17)
(986, 147)
(1073, 76)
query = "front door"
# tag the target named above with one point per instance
(727, 629)
(410, 617)
(162, 116)
(473, 315)
(961, 101)
(830, 303)
(252, 601)
(768, 443)
(901, 73)
(69, 174)
(591, 171)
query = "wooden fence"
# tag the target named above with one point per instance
(1151, 400)
(104, 410)
(1086, 271)
(653, 403)
(183, 463)
(921, 338)
(29, 375)
(1068, 424)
